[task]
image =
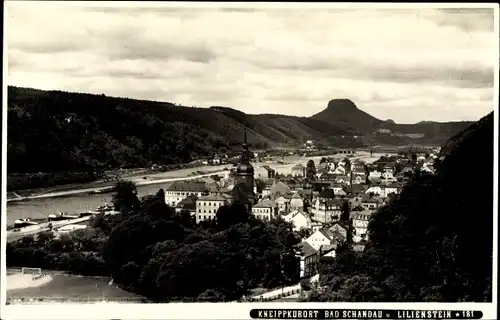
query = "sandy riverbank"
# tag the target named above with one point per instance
(24, 281)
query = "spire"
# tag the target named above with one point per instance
(245, 152)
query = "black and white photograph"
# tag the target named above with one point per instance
(249, 155)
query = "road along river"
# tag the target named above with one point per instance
(76, 201)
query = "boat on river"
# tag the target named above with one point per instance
(19, 223)
(105, 208)
(102, 191)
(88, 213)
(61, 216)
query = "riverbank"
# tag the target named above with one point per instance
(60, 287)
(158, 178)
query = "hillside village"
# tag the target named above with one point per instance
(328, 203)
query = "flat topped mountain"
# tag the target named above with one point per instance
(345, 112)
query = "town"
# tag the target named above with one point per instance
(328, 202)
(324, 201)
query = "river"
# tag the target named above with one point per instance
(76, 203)
(80, 202)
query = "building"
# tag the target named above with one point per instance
(340, 228)
(187, 204)
(271, 173)
(324, 237)
(326, 210)
(387, 175)
(374, 174)
(296, 203)
(207, 206)
(299, 219)
(279, 188)
(243, 191)
(299, 171)
(179, 190)
(358, 178)
(283, 204)
(370, 203)
(265, 210)
(308, 260)
(360, 223)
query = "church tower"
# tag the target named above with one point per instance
(245, 177)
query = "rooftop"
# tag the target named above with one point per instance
(187, 203)
(306, 249)
(267, 203)
(212, 198)
(187, 185)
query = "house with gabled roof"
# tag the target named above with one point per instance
(327, 210)
(324, 237)
(299, 219)
(265, 210)
(207, 206)
(283, 204)
(360, 222)
(187, 204)
(308, 260)
(339, 227)
(279, 188)
(296, 202)
(371, 203)
(179, 190)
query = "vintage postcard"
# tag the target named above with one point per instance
(189, 160)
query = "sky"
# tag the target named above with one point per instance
(402, 64)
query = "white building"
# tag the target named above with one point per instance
(179, 190)
(283, 204)
(207, 206)
(323, 237)
(296, 203)
(265, 210)
(299, 220)
(360, 223)
(326, 210)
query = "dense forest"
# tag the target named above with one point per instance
(432, 243)
(164, 256)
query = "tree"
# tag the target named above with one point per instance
(345, 212)
(125, 198)
(232, 214)
(310, 171)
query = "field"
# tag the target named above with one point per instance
(65, 287)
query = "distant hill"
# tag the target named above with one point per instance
(55, 131)
(51, 131)
(344, 113)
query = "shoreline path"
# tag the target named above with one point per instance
(140, 182)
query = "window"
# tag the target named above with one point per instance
(199, 210)
(199, 217)
(204, 217)
(204, 211)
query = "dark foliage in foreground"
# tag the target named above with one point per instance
(153, 251)
(433, 243)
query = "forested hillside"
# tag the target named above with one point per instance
(72, 137)
(59, 131)
(434, 243)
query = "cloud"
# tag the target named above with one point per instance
(408, 65)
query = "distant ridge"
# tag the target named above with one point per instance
(81, 132)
